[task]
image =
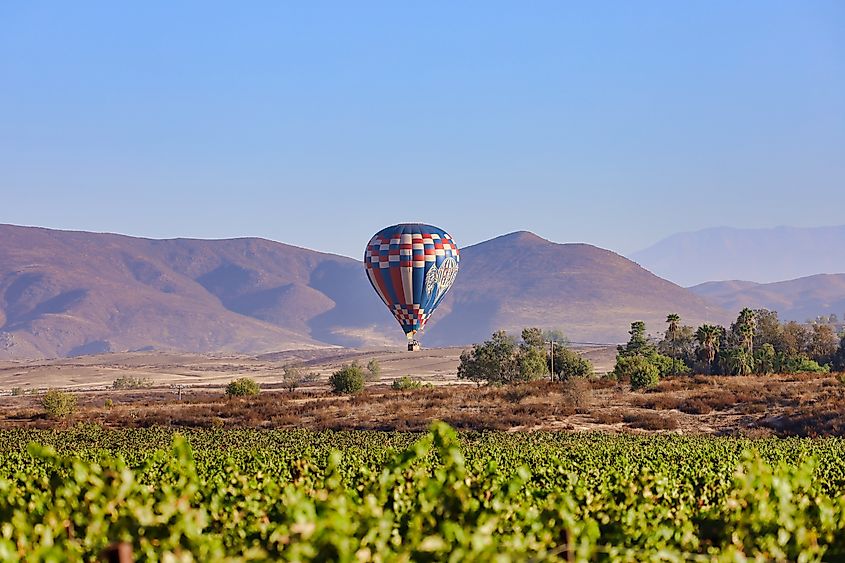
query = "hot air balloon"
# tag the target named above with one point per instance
(411, 266)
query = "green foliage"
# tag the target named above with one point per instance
(531, 364)
(801, 364)
(16, 391)
(108, 403)
(569, 364)
(348, 379)
(533, 338)
(233, 495)
(58, 404)
(129, 382)
(638, 370)
(493, 361)
(555, 335)
(765, 359)
(242, 387)
(373, 370)
(500, 361)
(406, 383)
(638, 344)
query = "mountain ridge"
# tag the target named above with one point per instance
(72, 292)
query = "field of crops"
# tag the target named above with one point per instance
(359, 496)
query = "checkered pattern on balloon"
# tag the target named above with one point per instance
(411, 267)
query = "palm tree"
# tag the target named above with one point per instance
(708, 339)
(671, 335)
(746, 325)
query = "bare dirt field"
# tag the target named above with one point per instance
(805, 405)
(437, 366)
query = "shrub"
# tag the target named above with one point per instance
(17, 391)
(58, 404)
(292, 377)
(242, 387)
(108, 404)
(638, 370)
(373, 370)
(405, 383)
(348, 379)
(569, 364)
(128, 382)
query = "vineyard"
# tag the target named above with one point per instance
(371, 496)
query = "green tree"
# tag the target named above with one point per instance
(555, 335)
(673, 320)
(531, 363)
(58, 404)
(796, 339)
(765, 359)
(569, 364)
(242, 387)
(348, 379)
(823, 344)
(493, 361)
(638, 370)
(839, 357)
(709, 337)
(768, 329)
(739, 361)
(638, 343)
(533, 338)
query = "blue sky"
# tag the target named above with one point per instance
(318, 123)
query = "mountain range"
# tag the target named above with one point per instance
(65, 293)
(759, 255)
(794, 300)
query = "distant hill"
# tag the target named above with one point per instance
(795, 300)
(68, 293)
(593, 294)
(760, 255)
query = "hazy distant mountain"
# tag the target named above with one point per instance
(520, 280)
(761, 255)
(795, 300)
(70, 293)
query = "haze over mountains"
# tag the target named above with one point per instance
(794, 300)
(758, 255)
(68, 293)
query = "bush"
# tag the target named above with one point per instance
(348, 379)
(242, 387)
(16, 391)
(373, 370)
(108, 403)
(406, 383)
(127, 382)
(293, 377)
(802, 364)
(569, 364)
(638, 370)
(58, 404)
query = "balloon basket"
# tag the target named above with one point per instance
(413, 346)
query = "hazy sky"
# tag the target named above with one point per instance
(318, 123)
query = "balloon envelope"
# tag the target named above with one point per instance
(411, 266)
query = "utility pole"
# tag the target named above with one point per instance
(552, 357)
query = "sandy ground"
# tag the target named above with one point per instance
(438, 366)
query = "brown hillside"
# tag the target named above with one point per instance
(70, 293)
(593, 294)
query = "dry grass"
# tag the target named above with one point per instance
(784, 405)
